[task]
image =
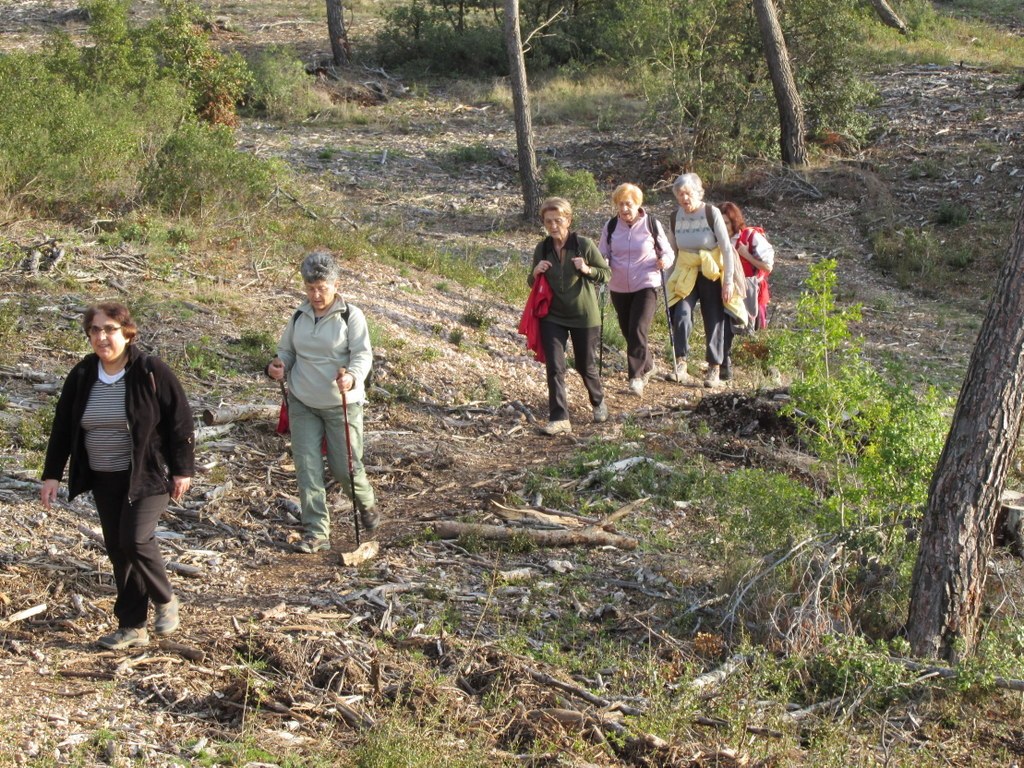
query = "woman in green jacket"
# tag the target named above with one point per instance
(574, 267)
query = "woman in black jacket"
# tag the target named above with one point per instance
(124, 422)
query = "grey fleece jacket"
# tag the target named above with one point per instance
(313, 350)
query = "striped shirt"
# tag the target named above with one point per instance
(105, 421)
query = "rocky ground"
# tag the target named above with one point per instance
(307, 651)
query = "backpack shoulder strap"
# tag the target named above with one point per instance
(611, 228)
(652, 226)
(672, 219)
(709, 214)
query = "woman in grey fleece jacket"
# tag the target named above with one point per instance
(325, 351)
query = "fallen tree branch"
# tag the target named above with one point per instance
(587, 537)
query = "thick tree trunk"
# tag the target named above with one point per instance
(956, 539)
(889, 17)
(791, 108)
(339, 36)
(521, 102)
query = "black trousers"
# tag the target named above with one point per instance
(129, 534)
(718, 332)
(553, 339)
(635, 311)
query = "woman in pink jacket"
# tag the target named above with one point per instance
(637, 249)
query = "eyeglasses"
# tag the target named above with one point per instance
(559, 221)
(107, 330)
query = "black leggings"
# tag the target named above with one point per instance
(129, 534)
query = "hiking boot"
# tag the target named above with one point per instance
(725, 372)
(713, 379)
(369, 519)
(646, 377)
(560, 427)
(679, 374)
(636, 387)
(601, 412)
(310, 544)
(166, 617)
(125, 637)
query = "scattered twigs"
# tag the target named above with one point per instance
(574, 690)
(718, 676)
(1006, 683)
(28, 613)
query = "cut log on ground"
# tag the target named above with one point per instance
(228, 414)
(588, 537)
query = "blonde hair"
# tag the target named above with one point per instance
(628, 191)
(559, 204)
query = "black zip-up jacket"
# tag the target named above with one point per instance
(159, 422)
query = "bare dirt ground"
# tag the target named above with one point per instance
(306, 652)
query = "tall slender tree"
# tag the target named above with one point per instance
(787, 97)
(948, 585)
(338, 34)
(528, 176)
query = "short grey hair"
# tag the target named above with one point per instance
(690, 181)
(319, 266)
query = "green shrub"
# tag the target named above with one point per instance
(910, 256)
(198, 171)
(578, 187)
(281, 88)
(427, 39)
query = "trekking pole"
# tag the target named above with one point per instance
(351, 475)
(668, 318)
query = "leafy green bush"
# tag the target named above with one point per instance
(578, 187)
(424, 39)
(280, 86)
(198, 171)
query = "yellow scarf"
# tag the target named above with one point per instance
(689, 264)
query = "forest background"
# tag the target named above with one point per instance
(183, 158)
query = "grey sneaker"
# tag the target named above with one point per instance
(601, 412)
(713, 380)
(560, 427)
(166, 617)
(646, 377)
(309, 544)
(369, 519)
(679, 374)
(125, 637)
(725, 372)
(636, 387)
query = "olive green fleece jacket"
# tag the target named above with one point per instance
(573, 295)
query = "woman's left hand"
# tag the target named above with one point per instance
(726, 293)
(181, 486)
(581, 265)
(345, 380)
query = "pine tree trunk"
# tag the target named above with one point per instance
(338, 34)
(521, 103)
(791, 108)
(948, 586)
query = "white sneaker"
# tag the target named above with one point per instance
(679, 374)
(636, 387)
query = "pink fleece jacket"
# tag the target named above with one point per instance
(632, 255)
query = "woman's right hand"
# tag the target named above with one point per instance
(276, 369)
(541, 268)
(48, 494)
